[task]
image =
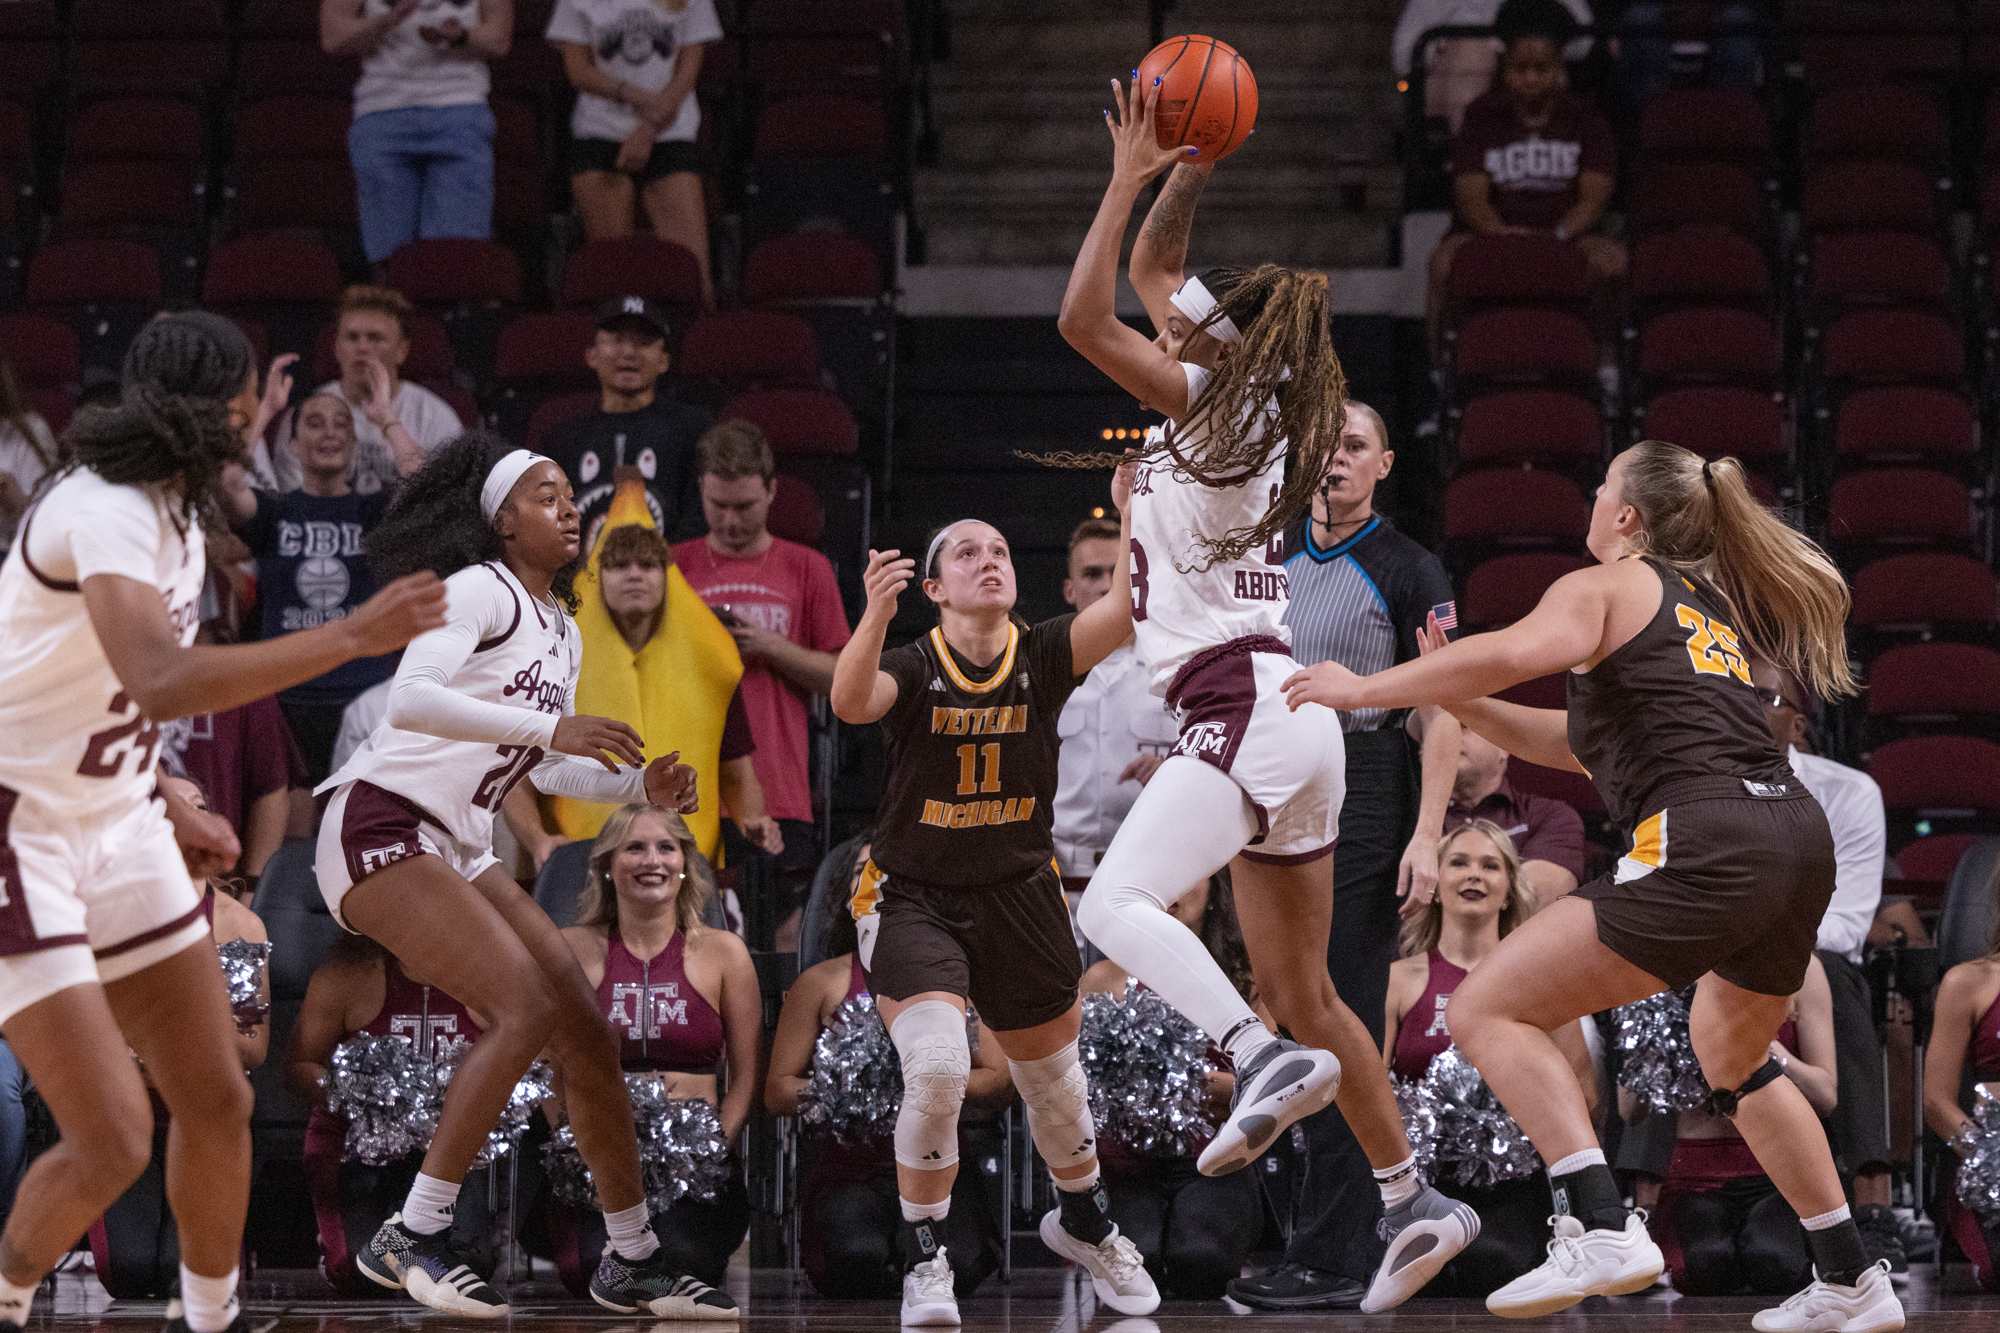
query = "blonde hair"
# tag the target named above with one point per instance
(598, 904)
(1421, 932)
(1789, 600)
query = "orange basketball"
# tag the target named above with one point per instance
(1208, 97)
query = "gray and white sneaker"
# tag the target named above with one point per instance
(1423, 1235)
(1282, 1083)
(928, 1298)
(1117, 1272)
(1869, 1306)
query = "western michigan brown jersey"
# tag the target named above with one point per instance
(1674, 703)
(971, 779)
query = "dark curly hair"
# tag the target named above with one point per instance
(171, 423)
(435, 521)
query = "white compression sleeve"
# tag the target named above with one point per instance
(588, 780)
(1188, 823)
(422, 699)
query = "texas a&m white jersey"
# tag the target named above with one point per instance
(68, 733)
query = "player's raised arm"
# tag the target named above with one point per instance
(1159, 255)
(862, 691)
(1106, 623)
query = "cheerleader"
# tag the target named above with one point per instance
(104, 951)
(405, 856)
(963, 884)
(681, 997)
(1965, 1042)
(1245, 369)
(1731, 864)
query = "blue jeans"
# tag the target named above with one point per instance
(13, 1128)
(422, 172)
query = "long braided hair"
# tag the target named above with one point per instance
(1286, 354)
(171, 423)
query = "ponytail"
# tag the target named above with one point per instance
(1789, 599)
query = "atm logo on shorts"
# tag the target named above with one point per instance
(1203, 738)
(380, 858)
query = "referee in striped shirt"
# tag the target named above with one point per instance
(1360, 592)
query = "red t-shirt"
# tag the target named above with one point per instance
(1533, 171)
(788, 590)
(236, 757)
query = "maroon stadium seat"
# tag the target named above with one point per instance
(1924, 594)
(451, 271)
(1938, 773)
(830, 125)
(101, 195)
(254, 270)
(1518, 270)
(281, 52)
(546, 348)
(1904, 424)
(797, 513)
(17, 134)
(1880, 268)
(258, 336)
(1876, 120)
(29, 33)
(1501, 591)
(811, 267)
(1833, 59)
(798, 421)
(1944, 681)
(429, 358)
(83, 271)
(1709, 345)
(1525, 347)
(1681, 194)
(1869, 196)
(765, 347)
(1933, 859)
(1509, 507)
(1531, 426)
(1699, 266)
(289, 126)
(552, 412)
(1892, 346)
(162, 44)
(126, 129)
(1707, 124)
(638, 265)
(310, 193)
(1719, 420)
(1904, 508)
(48, 361)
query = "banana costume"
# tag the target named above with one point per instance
(675, 692)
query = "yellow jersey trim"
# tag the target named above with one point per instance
(958, 678)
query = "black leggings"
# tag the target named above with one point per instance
(1513, 1237)
(697, 1235)
(1741, 1235)
(1195, 1231)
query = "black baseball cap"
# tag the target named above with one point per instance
(621, 308)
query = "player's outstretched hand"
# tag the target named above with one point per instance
(671, 783)
(1327, 683)
(208, 845)
(397, 613)
(888, 573)
(1121, 482)
(1136, 155)
(590, 737)
(1431, 637)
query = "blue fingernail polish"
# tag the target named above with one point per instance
(1156, 83)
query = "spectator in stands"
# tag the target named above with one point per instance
(1546, 832)
(311, 569)
(396, 423)
(638, 425)
(1532, 158)
(1648, 31)
(361, 990)
(422, 138)
(1115, 731)
(1965, 1046)
(634, 64)
(1458, 70)
(781, 605)
(28, 452)
(1853, 805)
(248, 759)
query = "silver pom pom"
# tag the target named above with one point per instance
(682, 1150)
(1477, 1141)
(1420, 1121)
(1660, 1067)
(244, 963)
(388, 1095)
(536, 1086)
(1979, 1170)
(855, 1087)
(1148, 1069)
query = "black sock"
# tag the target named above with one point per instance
(1591, 1197)
(1086, 1214)
(919, 1241)
(1838, 1254)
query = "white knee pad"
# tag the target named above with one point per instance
(1058, 1099)
(930, 1038)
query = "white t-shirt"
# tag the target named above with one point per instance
(427, 417)
(1180, 608)
(67, 732)
(408, 71)
(635, 41)
(1109, 720)
(474, 710)
(1853, 804)
(19, 460)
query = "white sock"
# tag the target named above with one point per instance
(1826, 1220)
(1399, 1183)
(1086, 1181)
(918, 1212)
(428, 1206)
(14, 1301)
(630, 1231)
(1576, 1161)
(208, 1302)
(1179, 832)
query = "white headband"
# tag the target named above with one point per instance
(1194, 301)
(936, 542)
(501, 480)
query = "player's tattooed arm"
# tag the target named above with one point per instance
(1159, 256)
